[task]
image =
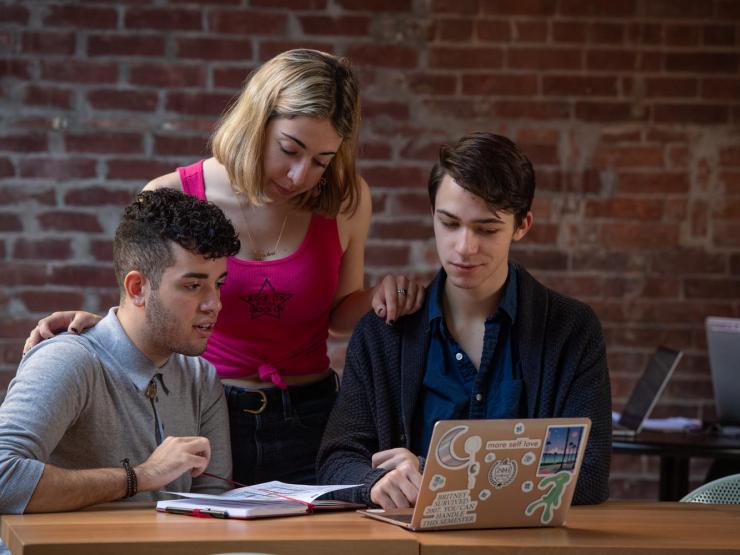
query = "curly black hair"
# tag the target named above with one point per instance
(154, 218)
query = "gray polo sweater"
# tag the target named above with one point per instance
(79, 402)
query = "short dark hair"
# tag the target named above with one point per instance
(156, 218)
(489, 166)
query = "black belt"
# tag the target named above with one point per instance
(256, 401)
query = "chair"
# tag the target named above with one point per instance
(725, 491)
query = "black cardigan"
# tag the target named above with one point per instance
(563, 359)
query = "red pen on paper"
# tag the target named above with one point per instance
(267, 491)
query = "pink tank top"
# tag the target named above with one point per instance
(275, 315)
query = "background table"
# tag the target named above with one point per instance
(614, 527)
(675, 450)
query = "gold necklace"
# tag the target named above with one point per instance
(258, 254)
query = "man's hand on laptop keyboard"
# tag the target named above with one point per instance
(399, 488)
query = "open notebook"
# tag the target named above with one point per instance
(496, 474)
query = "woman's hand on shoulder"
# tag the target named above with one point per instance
(397, 295)
(73, 321)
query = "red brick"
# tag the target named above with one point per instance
(671, 87)
(12, 328)
(729, 209)
(384, 255)
(230, 77)
(543, 59)
(718, 88)
(728, 9)
(629, 156)
(396, 176)
(453, 30)
(10, 67)
(624, 208)
(46, 301)
(719, 35)
(675, 9)
(289, 4)
(735, 264)
(407, 204)
(164, 19)
(80, 275)
(179, 145)
(140, 170)
(579, 85)
(691, 113)
(611, 60)
(666, 135)
(98, 196)
(731, 182)
(460, 109)
(77, 71)
(26, 193)
(543, 234)
(58, 168)
(422, 149)
(13, 274)
(467, 7)
(377, 5)
(395, 110)
(608, 261)
(648, 338)
(606, 111)
(248, 22)
(48, 42)
(212, 104)
(606, 33)
(48, 96)
(712, 288)
(653, 183)
(493, 30)
(681, 35)
(375, 150)
(120, 44)
(621, 134)
(540, 259)
(85, 17)
(541, 154)
(598, 8)
(14, 14)
(10, 222)
(214, 48)
(726, 234)
(639, 236)
(128, 143)
(43, 249)
(500, 84)
(530, 31)
(24, 143)
(384, 55)
(113, 99)
(519, 7)
(6, 170)
(730, 156)
(167, 75)
(69, 221)
(342, 25)
(702, 62)
(102, 250)
(569, 31)
(270, 49)
(428, 83)
(538, 135)
(532, 110)
(580, 287)
(402, 230)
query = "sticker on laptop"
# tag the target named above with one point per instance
(518, 443)
(502, 473)
(552, 499)
(561, 449)
(450, 508)
(445, 451)
(437, 482)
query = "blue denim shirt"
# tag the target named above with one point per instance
(452, 387)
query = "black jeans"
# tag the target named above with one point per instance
(276, 436)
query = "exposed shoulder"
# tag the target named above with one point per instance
(170, 180)
(354, 226)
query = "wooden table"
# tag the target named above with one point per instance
(675, 450)
(615, 527)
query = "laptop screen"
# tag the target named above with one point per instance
(649, 387)
(723, 341)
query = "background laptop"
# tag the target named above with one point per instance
(496, 474)
(647, 391)
(723, 342)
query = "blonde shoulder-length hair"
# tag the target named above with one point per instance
(295, 83)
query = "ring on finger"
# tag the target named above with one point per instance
(402, 291)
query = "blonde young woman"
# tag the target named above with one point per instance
(283, 170)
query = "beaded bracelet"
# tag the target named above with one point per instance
(132, 485)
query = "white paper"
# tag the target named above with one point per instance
(672, 424)
(268, 491)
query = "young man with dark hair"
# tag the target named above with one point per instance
(128, 408)
(490, 342)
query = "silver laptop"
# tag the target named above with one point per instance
(647, 391)
(723, 342)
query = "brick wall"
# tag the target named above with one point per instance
(628, 108)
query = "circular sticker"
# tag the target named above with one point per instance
(490, 457)
(473, 469)
(484, 494)
(502, 473)
(527, 486)
(438, 481)
(519, 428)
(528, 458)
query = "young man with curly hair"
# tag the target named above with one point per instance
(128, 407)
(489, 342)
